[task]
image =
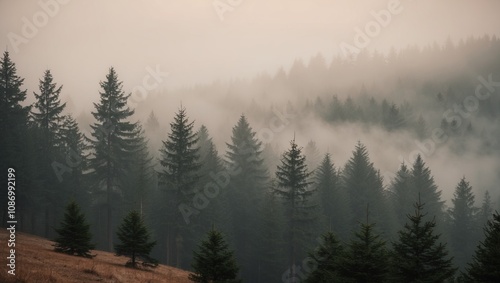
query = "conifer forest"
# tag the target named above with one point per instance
(254, 141)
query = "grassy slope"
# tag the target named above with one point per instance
(37, 262)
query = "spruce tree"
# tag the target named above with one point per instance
(246, 190)
(366, 257)
(47, 116)
(486, 210)
(423, 187)
(418, 255)
(293, 185)
(485, 263)
(179, 177)
(401, 194)
(17, 142)
(113, 139)
(333, 198)
(74, 236)
(364, 186)
(214, 261)
(463, 216)
(48, 110)
(326, 261)
(135, 241)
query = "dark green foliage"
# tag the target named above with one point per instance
(326, 261)
(113, 140)
(48, 110)
(366, 257)
(333, 197)
(214, 261)
(418, 256)
(246, 191)
(401, 194)
(463, 226)
(293, 185)
(135, 241)
(484, 266)
(74, 233)
(364, 186)
(179, 179)
(423, 187)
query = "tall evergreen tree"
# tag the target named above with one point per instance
(113, 139)
(484, 266)
(74, 236)
(418, 256)
(333, 198)
(326, 261)
(463, 216)
(16, 142)
(73, 148)
(423, 187)
(180, 165)
(293, 185)
(364, 186)
(401, 194)
(246, 190)
(214, 261)
(486, 210)
(48, 119)
(48, 110)
(135, 240)
(366, 257)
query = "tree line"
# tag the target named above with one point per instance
(271, 220)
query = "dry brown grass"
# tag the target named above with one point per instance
(36, 261)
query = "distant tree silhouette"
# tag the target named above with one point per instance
(326, 259)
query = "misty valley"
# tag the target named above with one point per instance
(372, 167)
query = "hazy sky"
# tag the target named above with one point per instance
(189, 40)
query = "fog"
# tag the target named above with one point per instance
(196, 45)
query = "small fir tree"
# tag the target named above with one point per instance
(214, 262)
(135, 241)
(74, 233)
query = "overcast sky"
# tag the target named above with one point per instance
(195, 44)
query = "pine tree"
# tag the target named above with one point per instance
(326, 259)
(293, 185)
(245, 193)
(214, 261)
(423, 187)
(16, 144)
(364, 186)
(333, 198)
(73, 148)
(486, 210)
(401, 194)
(485, 263)
(74, 233)
(48, 119)
(463, 216)
(49, 108)
(418, 256)
(135, 241)
(366, 258)
(113, 139)
(179, 176)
